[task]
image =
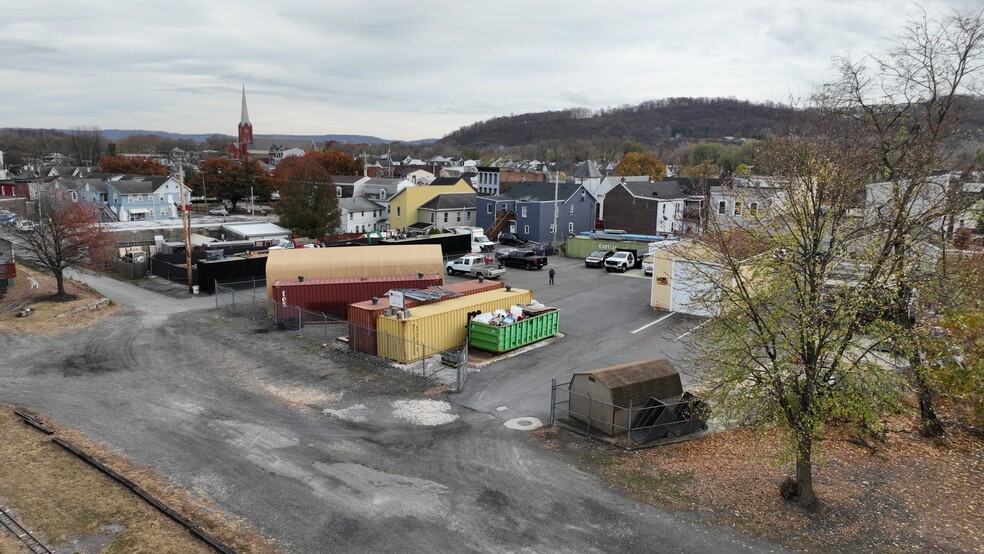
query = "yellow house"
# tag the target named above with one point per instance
(404, 204)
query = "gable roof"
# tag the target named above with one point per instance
(450, 181)
(451, 201)
(588, 170)
(656, 190)
(540, 191)
(358, 204)
(639, 380)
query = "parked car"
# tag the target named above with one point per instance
(7, 218)
(25, 226)
(510, 239)
(620, 261)
(647, 265)
(597, 258)
(218, 211)
(541, 249)
(526, 259)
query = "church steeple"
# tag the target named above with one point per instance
(245, 130)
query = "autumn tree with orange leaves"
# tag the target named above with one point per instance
(132, 166)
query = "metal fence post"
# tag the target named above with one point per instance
(553, 399)
(628, 431)
(299, 326)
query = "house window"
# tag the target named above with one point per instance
(445, 217)
(129, 199)
(737, 207)
(75, 196)
(526, 230)
(570, 227)
(459, 217)
(551, 228)
(397, 211)
(571, 211)
(722, 207)
(160, 197)
(753, 208)
(116, 199)
(468, 216)
(351, 215)
(522, 212)
(382, 194)
(432, 217)
(664, 208)
(488, 209)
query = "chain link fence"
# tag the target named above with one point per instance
(247, 299)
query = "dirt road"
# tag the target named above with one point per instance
(324, 450)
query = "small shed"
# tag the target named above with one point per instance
(603, 397)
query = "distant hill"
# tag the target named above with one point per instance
(646, 122)
(116, 134)
(651, 121)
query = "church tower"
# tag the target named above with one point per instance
(245, 131)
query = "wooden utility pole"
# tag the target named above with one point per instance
(187, 228)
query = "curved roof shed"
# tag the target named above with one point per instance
(353, 261)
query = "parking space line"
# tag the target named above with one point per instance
(650, 324)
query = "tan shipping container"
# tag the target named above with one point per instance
(434, 328)
(353, 261)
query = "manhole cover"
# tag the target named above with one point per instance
(524, 423)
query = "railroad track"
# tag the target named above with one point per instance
(25, 537)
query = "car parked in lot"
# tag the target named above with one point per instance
(25, 226)
(597, 258)
(541, 249)
(518, 257)
(218, 211)
(510, 239)
(647, 265)
(620, 261)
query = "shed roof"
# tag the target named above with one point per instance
(639, 380)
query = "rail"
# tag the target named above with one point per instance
(25, 537)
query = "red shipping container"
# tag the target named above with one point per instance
(362, 315)
(330, 296)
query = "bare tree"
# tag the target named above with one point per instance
(86, 144)
(806, 290)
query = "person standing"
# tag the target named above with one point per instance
(551, 273)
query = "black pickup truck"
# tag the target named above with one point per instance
(526, 259)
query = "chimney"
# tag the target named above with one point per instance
(300, 278)
(375, 300)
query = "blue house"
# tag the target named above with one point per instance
(532, 207)
(136, 198)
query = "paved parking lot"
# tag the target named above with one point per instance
(605, 320)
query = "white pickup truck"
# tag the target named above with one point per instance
(474, 265)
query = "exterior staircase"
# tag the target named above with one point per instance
(499, 225)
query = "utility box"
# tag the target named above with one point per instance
(535, 327)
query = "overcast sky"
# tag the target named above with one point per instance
(409, 70)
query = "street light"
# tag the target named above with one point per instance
(204, 192)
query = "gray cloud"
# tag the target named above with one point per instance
(409, 70)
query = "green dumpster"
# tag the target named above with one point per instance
(503, 338)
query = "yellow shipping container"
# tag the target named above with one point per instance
(433, 328)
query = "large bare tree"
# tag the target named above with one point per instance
(810, 288)
(86, 144)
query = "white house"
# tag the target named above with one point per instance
(361, 215)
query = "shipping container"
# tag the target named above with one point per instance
(362, 315)
(439, 327)
(315, 297)
(234, 269)
(582, 247)
(503, 338)
(352, 261)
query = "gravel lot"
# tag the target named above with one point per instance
(321, 449)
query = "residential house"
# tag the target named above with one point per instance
(145, 197)
(405, 204)
(381, 191)
(653, 208)
(744, 199)
(529, 207)
(360, 215)
(487, 180)
(416, 175)
(602, 188)
(447, 210)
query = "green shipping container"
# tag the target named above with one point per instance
(582, 247)
(496, 338)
